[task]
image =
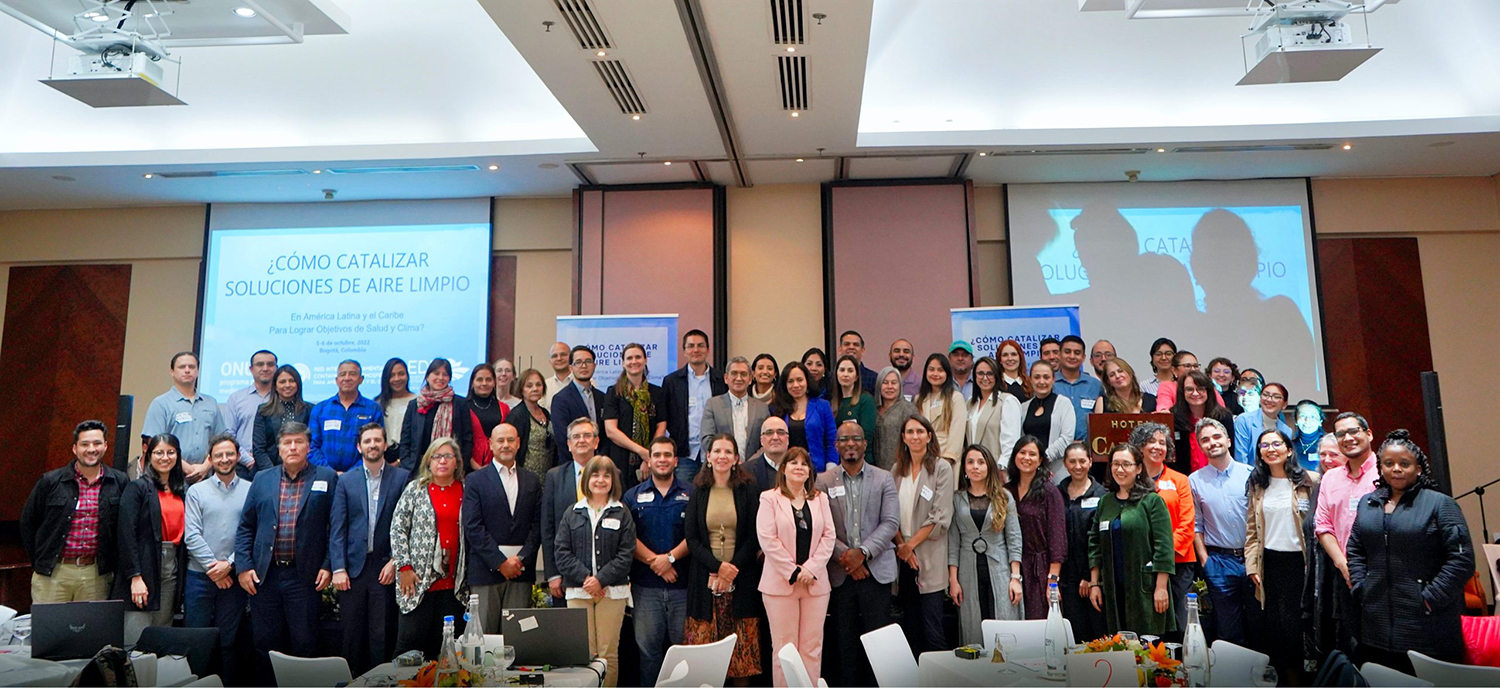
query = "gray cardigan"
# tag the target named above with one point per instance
(888, 432)
(1002, 548)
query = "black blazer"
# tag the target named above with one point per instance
(700, 602)
(489, 523)
(585, 550)
(265, 442)
(416, 431)
(520, 419)
(568, 406)
(48, 516)
(351, 521)
(560, 494)
(255, 539)
(765, 476)
(674, 388)
(140, 546)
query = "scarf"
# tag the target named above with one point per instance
(640, 406)
(442, 420)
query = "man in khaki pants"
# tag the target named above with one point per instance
(68, 523)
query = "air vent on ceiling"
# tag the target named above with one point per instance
(1267, 148)
(793, 82)
(786, 22)
(1071, 151)
(228, 173)
(617, 80)
(579, 17)
(410, 169)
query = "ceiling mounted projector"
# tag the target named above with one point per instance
(1304, 42)
(118, 76)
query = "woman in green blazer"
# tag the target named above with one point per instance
(1133, 528)
(850, 402)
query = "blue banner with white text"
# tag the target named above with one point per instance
(986, 328)
(608, 335)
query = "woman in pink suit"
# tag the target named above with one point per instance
(796, 534)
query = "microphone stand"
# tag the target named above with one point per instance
(1482, 521)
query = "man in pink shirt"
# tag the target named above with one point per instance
(1338, 500)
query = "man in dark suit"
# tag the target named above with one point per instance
(281, 548)
(774, 441)
(564, 489)
(501, 507)
(736, 412)
(685, 393)
(580, 399)
(865, 506)
(359, 549)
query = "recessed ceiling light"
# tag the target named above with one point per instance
(99, 17)
(636, 117)
(1348, 146)
(799, 159)
(244, 13)
(790, 49)
(982, 154)
(796, 114)
(148, 175)
(1161, 150)
(494, 167)
(601, 53)
(667, 162)
(317, 171)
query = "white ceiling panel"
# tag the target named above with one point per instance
(901, 167)
(642, 173)
(810, 171)
(198, 20)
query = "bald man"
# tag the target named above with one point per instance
(502, 510)
(562, 372)
(774, 441)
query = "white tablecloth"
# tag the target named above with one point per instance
(943, 668)
(387, 674)
(17, 668)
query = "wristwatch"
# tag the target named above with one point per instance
(671, 559)
(1016, 577)
(1052, 578)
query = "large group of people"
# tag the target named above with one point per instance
(762, 502)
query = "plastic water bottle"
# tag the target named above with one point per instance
(1195, 646)
(471, 645)
(1056, 632)
(447, 659)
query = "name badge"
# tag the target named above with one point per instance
(681, 497)
(926, 493)
(610, 524)
(692, 402)
(333, 425)
(645, 498)
(320, 486)
(1103, 526)
(836, 491)
(1091, 503)
(1165, 484)
(1354, 502)
(1302, 504)
(1087, 404)
(183, 417)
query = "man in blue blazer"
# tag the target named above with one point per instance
(281, 549)
(579, 399)
(359, 549)
(563, 490)
(685, 393)
(502, 503)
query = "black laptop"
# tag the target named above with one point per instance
(559, 636)
(76, 630)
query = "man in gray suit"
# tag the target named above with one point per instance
(735, 411)
(865, 521)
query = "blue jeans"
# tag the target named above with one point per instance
(1232, 593)
(687, 469)
(206, 606)
(660, 614)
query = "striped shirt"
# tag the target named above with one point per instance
(83, 533)
(286, 515)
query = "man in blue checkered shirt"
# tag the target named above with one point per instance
(335, 422)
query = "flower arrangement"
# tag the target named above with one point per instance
(1154, 663)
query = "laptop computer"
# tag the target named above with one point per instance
(559, 636)
(76, 630)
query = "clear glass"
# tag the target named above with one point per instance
(1004, 644)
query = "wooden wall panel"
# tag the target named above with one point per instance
(1375, 326)
(502, 308)
(62, 351)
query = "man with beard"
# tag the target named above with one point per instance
(658, 576)
(901, 357)
(364, 503)
(68, 523)
(211, 515)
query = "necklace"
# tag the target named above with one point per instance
(473, 402)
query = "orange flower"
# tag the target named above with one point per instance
(1158, 654)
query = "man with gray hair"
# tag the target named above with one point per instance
(734, 412)
(1221, 501)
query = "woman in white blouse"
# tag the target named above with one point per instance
(1049, 416)
(994, 416)
(1280, 499)
(940, 402)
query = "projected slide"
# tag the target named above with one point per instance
(1222, 268)
(319, 295)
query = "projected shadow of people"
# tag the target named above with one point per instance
(1225, 261)
(1119, 273)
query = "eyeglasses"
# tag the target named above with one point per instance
(1273, 444)
(774, 433)
(1341, 434)
(849, 440)
(1122, 464)
(583, 363)
(582, 436)
(1272, 397)
(446, 456)
(983, 373)
(1190, 366)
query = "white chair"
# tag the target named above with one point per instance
(1232, 665)
(209, 681)
(1382, 676)
(1449, 674)
(311, 672)
(172, 671)
(890, 657)
(1031, 635)
(145, 668)
(792, 668)
(706, 664)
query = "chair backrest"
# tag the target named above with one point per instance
(209, 681)
(199, 645)
(1233, 665)
(1382, 676)
(706, 664)
(314, 672)
(1031, 635)
(890, 657)
(1449, 674)
(145, 668)
(792, 667)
